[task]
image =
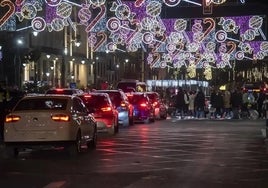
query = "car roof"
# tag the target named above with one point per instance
(71, 90)
(48, 96)
(95, 94)
(107, 90)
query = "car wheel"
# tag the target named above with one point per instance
(12, 152)
(112, 130)
(131, 121)
(93, 143)
(75, 147)
(116, 126)
(147, 120)
(163, 116)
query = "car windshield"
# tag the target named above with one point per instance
(95, 101)
(137, 99)
(41, 104)
(115, 98)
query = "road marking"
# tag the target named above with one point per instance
(56, 184)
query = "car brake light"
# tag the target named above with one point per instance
(106, 109)
(129, 95)
(143, 104)
(59, 89)
(60, 117)
(155, 103)
(88, 96)
(12, 118)
(123, 104)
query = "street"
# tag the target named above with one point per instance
(169, 153)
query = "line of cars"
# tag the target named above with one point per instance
(72, 119)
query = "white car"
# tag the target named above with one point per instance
(43, 121)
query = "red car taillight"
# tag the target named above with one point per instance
(123, 104)
(143, 104)
(106, 109)
(60, 117)
(12, 118)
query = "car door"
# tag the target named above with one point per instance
(83, 118)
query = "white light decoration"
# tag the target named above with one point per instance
(218, 2)
(137, 25)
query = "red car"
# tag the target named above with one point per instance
(160, 108)
(103, 111)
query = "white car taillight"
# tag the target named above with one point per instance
(60, 117)
(12, 118)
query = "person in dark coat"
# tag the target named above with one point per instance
(180, 102)
(236, 102)
(218, 104)
(200, 103)
(260, 100)
(212, 102)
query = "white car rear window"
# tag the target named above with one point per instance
(42, 104)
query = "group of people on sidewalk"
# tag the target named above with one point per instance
(219, 104)
(190, 103)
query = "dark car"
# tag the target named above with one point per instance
(103, 110)
(143, 108)
(122, 105)
(160, 108)
(64, 91)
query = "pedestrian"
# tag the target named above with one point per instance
(265, 107)
(236, 102)
(218, 104)
(212, 102)
(260, 100)
(227, 104)
(200, 103)
(191, 104)
(186, 101)
(180, 102)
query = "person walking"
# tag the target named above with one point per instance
(191, 104)
(213, 103)
(218, 104)
(265, 107)
(186, 101)
(180, 102)
(227, 104)
(260, 100)
(200, 103)
(236, 103)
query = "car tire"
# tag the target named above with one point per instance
(93, 143)
(112, 130)
(163, 116)
(75, 148)
(116, 126)
(147, 120)
(131, 121)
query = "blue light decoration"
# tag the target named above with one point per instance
(192, 42)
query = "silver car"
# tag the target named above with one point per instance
(43, 121)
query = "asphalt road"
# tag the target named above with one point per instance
(171, 153)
